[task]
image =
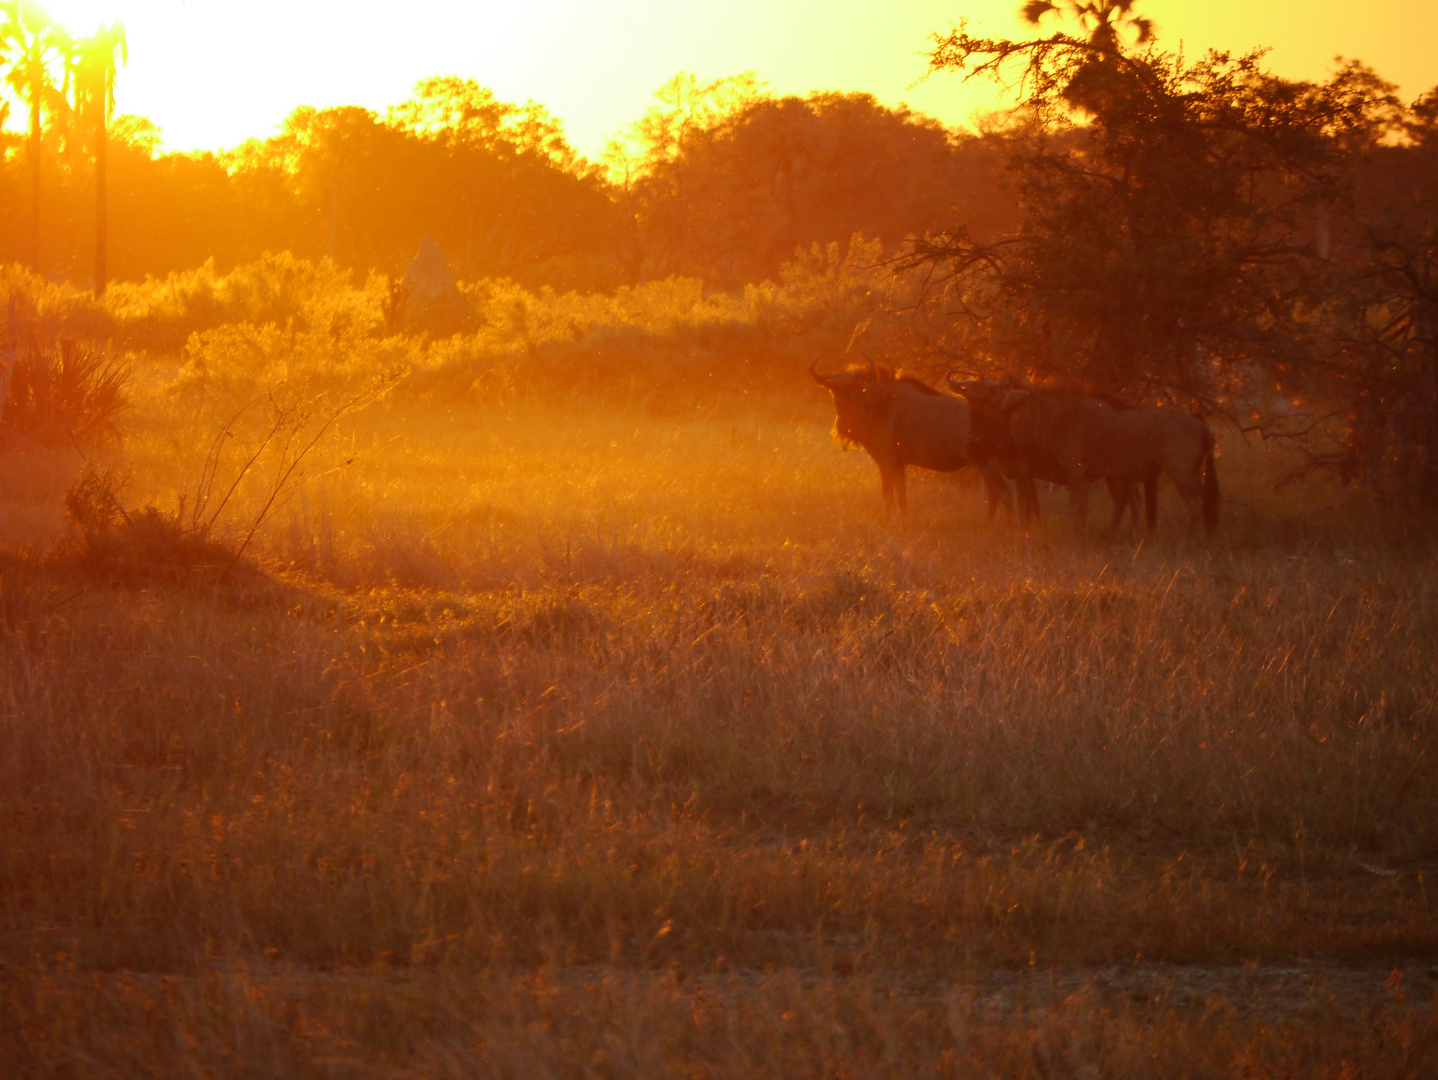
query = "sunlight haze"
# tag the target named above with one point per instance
(647, 539)
(212, 74)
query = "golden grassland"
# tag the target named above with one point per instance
(579, 739)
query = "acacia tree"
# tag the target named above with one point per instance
(1173, 215)
(495, 184)
(725, 182)
(1381, 365)
(645, 161)
(34, 48)
(97, 60)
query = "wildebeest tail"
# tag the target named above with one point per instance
(1210, 484)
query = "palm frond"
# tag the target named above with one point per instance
(1035, 10)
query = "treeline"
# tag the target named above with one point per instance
(715, 184)
(1203, 233)
(1194, 232)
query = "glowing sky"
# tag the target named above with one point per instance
(214, 72)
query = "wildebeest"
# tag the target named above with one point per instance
(1074, 439)
(901, 421)
(992, 445)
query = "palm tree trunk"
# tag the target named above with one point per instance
(102, 221)
(34, 156)
(334, 209)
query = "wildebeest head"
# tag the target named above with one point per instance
(990, 403)
(863, 396)
(899, 419)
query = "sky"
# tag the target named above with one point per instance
(212, 73)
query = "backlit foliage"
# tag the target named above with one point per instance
(552, 696)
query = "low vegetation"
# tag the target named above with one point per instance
(547, 692)
(660, 724)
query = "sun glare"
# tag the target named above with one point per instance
(596, 66)
(83, 16)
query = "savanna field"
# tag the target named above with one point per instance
(546, 725)
(449, 621)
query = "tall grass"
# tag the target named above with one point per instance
(262, 1022)
(635, 695)
(605, 679)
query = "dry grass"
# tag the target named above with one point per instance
(610, 695)
(263, 1022)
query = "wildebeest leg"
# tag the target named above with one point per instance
(997, 489)
(1192, 493)
(1135, 507)
(900, 490)
(1028, 499)
(1150, 501)
(1078, 499)
(1121, 493)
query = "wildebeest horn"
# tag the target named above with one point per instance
(819, 377)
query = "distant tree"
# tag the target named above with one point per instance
(727, 183)
(1381, 363)
(137, 131)
(461, 113)
(1106, 21)
(1170, 212)
(34, 48)
(498, 163)
(98, 57)
(687, 108)
(497, 185)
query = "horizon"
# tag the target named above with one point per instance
(562, 55)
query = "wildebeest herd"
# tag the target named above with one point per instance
(1012, 431)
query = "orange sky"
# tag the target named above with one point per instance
(214, 72)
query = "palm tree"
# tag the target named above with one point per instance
(1098, 78)
(95, 96)
(33, 44)
(1103, 19)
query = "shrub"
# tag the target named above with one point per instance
(162, 314)
(66, 392)
(111, 544)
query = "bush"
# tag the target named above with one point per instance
(162, 314)
(111, 544)
(66, 392)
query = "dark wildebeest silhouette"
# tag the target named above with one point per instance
(901, 421)
(1075, 439)
(991, 445)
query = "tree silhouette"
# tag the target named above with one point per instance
(33, 45)
(1173, 240)
(727, 183)
(96, 67)
(1105, 20)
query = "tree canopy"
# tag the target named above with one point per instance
(726, 181)
(1201, 231)
(721, 180)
